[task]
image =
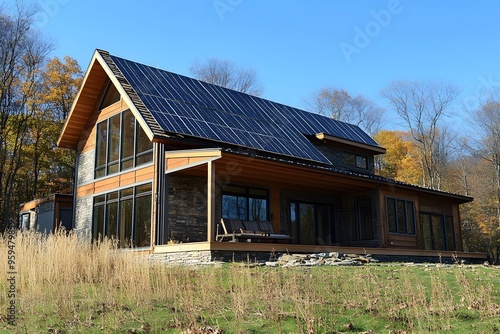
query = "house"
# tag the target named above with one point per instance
(161, 158)
(48, 214)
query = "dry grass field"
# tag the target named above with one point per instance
(59, 284)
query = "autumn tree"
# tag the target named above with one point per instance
(400, 162)
(22, 55)
(340, 105)
(422, 106)
(50, 169)
(227, 74)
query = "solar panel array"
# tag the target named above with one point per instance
(195, 108)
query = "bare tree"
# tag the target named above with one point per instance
(486, 123)
(421, 106)
(340, 105)
(22, 55)
(226, 74)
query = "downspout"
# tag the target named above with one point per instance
(161, 197)
(75, 184)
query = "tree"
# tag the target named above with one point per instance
(52, 168)
(340, 105)
(486, 122)
(226, 74)
(421, 106)
(22, 55)
(400, 162)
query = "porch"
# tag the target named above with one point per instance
(312, 206)
(322, 211)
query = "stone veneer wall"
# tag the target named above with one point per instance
(84, 205)
(85, 167)
(187, 208)
(83, 217)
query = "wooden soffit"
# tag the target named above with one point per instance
(87, 100)
(183, 159)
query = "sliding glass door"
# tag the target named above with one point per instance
(311, 223)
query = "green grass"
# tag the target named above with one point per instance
(87, 289)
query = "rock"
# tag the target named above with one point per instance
(286, 258)
(334, 254)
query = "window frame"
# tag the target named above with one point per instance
(101, 205)
(355, 160)
(103, 133)
(397, 216)
(447, 225)
(247, 195)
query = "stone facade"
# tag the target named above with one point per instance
(187, 208)
(85, 167)
(83, 217)
(182, 258)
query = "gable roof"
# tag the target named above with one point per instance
(170, 105)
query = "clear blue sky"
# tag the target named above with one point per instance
(297, 47)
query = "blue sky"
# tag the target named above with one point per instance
(297, 47)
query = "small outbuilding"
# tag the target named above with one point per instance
(48, 214)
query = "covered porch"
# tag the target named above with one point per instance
(322, 211)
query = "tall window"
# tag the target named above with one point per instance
(124, 215)
(245, 203)
(121, 144)
(400, 216)
(311, 223)
(438, 232)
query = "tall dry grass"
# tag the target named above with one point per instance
(66, 285)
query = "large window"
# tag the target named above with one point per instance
(400, 216)
(245, 203)
(438, 232)
(121, 144)
(124, 215)
(311, 223)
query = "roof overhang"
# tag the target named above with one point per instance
(183, 159)
(327, 137)
(87, 101)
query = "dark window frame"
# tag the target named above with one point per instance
(247, 195)
(445, 221)
(397, 226)
(310, 235)
(355, 160)
(103, 132)
(119, 197)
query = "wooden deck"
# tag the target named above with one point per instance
(308, 249)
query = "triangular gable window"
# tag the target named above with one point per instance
(111, 96)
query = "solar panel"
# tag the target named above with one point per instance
(187, 106)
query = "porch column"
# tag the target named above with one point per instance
(211, 201)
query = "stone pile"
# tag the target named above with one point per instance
(320, 259)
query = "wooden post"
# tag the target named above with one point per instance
(210, 201)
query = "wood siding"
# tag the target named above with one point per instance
(118, 181)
